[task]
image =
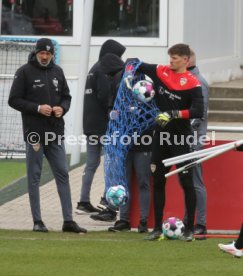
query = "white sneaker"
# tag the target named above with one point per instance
(230, 248)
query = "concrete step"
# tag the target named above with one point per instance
(225, 116)
(225, 92)
(229, 104)
(226, 101)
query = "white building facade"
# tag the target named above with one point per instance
(213, 28)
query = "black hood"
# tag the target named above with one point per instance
(111, 64)
(113, 47)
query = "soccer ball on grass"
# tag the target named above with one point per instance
(117, 196)
(173, 228)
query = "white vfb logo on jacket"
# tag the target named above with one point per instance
(55, 83)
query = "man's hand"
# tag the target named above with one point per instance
(239, 148)
(162, 119)
(45, 110)
(58, 111)
(128, 81)
(239, 145)
(114, 114)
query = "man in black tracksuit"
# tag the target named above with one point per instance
(97, 101)
(179, 98)
(40, 92)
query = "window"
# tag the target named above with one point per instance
(135, 22)
(38, 17)
(129, 18)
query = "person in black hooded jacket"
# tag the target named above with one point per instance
(97, 101)
(138, 160)
(37, 89)
(40, 92)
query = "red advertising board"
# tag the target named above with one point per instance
(223, 178)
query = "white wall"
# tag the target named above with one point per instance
(70, 116)
(209, 27)
(241, 31)
(213, 29)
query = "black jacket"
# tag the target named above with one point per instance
(146, 136)
(35, 85)
(98, 88)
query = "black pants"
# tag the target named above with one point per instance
(162, 150)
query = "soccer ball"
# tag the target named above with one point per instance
(173, 228)
(143, 90)
(117, 196)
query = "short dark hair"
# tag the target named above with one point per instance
(180, 49)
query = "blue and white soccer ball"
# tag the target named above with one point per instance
(117, 196)
(173, 228)
(143, 90)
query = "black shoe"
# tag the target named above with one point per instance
(105, 215)
(39, 226)
(155, 235)
(200, 232)
(72, 226)
(200, 229)
(103, 203)
(120, 225)
(86, 208)
(142, 227)
(187, 235)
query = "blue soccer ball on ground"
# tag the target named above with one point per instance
(117, 196)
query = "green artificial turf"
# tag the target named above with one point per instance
(13, 180)
(103, 253)
(11, 171)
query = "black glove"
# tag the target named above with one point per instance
(162, 119)
(195, 123)
(239, 148)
